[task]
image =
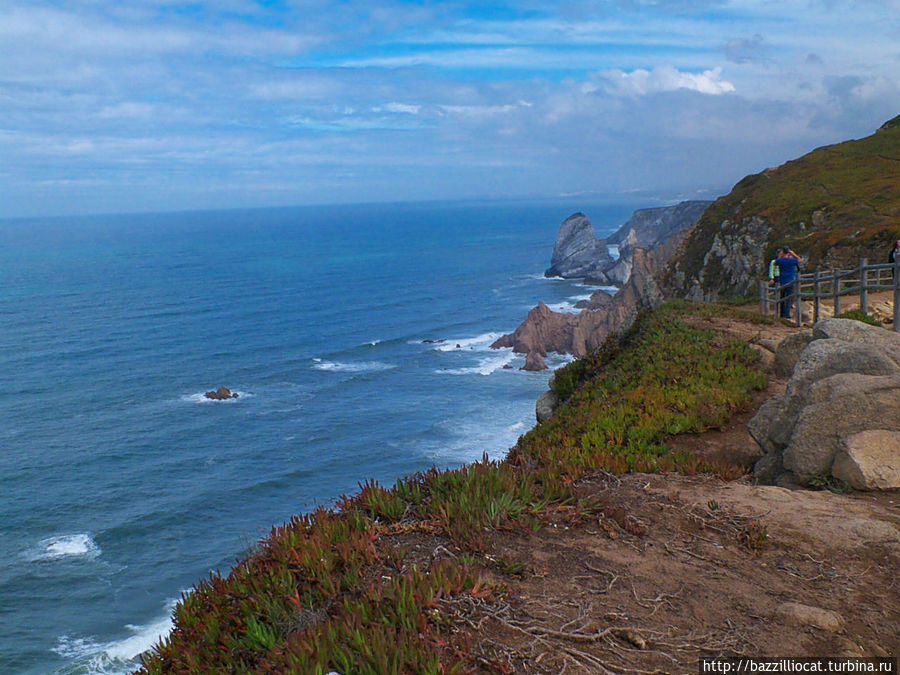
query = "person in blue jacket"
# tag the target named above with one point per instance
(788, 264)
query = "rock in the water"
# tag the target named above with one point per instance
(578, 254)
(221, 394)
(534, 361)
(869, 460)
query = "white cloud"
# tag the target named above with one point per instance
(662, 78)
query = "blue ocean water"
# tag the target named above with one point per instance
(356, 336)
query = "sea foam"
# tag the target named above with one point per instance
(481, 342)
(65, 546)
(117, 657)
(351, 367)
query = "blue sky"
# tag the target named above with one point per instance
(167, 105)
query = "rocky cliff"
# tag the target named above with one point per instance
(578, 254)
(648, 228)
(546, 331)
(646, 242)
(833, 206)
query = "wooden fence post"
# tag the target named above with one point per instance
(795, 295)
(863, 286)
(896, 271)
(762, 299)
(836, 284)
(816, 297)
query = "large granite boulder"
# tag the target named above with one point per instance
(578, 254)
(844, 386)
(869, 460)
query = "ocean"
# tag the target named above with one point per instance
(357, 338)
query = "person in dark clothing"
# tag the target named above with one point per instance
(894, 255)
(788, 264)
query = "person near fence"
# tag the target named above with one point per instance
(788, 264)
(773, 268)
(894, 255)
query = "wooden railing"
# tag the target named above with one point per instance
(835, 284)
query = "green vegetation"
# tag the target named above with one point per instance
(339, 589)
(859, 315)
(664, 377)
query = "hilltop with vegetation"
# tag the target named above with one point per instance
(834, 205)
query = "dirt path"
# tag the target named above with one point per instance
(674, 568)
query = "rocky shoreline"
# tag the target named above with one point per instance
(646, 243)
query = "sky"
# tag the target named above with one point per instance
(159, 105)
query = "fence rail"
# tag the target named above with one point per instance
(834, 284)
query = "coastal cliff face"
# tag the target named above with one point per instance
(833, 206)
(578, 254)
(648, 228)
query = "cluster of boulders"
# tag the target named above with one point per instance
(839, 418)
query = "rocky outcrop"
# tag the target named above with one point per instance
(840, 414)
(578, 254)
(647, 229)
(546, 331)
(221, 394)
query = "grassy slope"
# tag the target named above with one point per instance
(342, 589)
(847, 197)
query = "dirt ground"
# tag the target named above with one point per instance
(674, 568)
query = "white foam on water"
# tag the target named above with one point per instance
(485, 366)
(479, 343)
(351, 367)
(613, 250)
(566, 306)
(65, 546)
(118, 657)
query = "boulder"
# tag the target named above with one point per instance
(788, 352)
(835, 409)
(849, 330)
(842, 401)
(577, 253)
(766, 358)
(221, 394)
(546, 406)
(869, 460)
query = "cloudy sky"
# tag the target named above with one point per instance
(146, 105)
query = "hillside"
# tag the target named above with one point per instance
(603, 543)
(833, 205)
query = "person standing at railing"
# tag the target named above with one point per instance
(788, 264)
(894, 256)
